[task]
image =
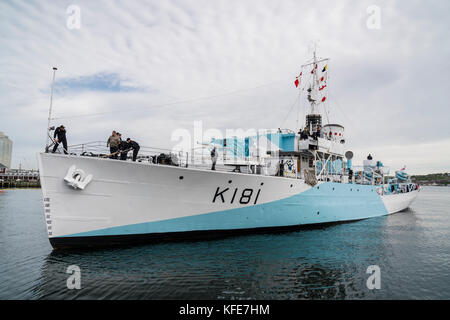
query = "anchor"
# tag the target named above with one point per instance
(77, 178)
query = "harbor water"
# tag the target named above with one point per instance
(411, 249)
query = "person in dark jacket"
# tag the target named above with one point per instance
(60, 137)
(135, 146)
(317, 134)
(213, 158)
(123, 148)
(304, 134)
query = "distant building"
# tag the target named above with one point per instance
(5, 151)
(15, 178)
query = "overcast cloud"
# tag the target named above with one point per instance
(389, 87)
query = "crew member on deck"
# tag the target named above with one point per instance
(135, 146)
(317, 134)
(214, 158)
(369, 157)
(60, 136)
(123, 147)
(304, 135)
(113, 144)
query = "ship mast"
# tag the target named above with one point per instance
(50, 111)
(313, 94)
(312, 97)
(314, 119)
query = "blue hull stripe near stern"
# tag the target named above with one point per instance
(328, 202)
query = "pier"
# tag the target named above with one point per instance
(16, 178)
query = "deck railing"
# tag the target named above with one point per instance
(146, 154)
(200, 158)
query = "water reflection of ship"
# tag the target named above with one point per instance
(164, 272)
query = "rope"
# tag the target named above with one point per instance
(295, 101)
(117, 152)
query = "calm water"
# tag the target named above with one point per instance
(412, 249)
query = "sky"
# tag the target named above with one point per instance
(148, 68)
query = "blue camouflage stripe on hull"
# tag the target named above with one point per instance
(324, 203)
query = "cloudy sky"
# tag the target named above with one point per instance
(147, 68)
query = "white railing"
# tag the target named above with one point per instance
(200, 157)
(367, 175)
(145, 154)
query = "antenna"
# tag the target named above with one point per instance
(50, 110)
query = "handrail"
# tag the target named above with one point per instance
(150, 154)
(199, 157)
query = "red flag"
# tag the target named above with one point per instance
(297, 82)
(312, 71)
(321, 79)
(323, 99)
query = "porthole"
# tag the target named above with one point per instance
(262, 183)
(230, 181)
(181, 177)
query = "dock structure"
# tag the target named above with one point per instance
(16, 178)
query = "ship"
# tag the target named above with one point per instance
(279, 179)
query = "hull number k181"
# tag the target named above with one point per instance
(245, 196)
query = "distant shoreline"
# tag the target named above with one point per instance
(432, 179)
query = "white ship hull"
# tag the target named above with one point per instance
(128, 202)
